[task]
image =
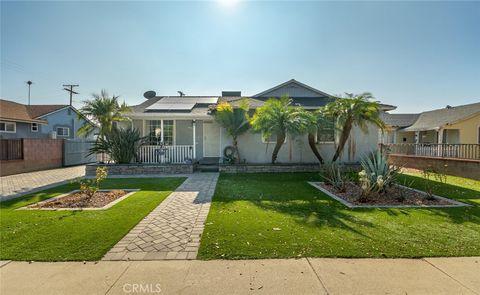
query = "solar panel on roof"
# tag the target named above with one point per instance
(202, 100)
(171, 106)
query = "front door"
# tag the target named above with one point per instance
(211, 139)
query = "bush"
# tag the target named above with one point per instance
(377, 174)
(120, 144)
(90, 186)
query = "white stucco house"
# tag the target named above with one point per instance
(189, 132)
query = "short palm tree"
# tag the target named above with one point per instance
(234, 120)
(352, 110)
(104, 110)
(278, 117)
(316, 120)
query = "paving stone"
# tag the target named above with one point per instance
(173, 229)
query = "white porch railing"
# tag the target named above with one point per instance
(168, 154)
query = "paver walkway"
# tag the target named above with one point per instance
(16, 185)
(173, 229)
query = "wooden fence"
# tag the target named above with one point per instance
(11, 149)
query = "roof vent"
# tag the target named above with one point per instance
(231, 93)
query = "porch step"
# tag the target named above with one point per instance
(207, 167)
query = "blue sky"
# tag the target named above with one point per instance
(416, 55)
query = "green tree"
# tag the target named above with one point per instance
(235, 121)
(352, 110)
(278, 117)
(316, 120)
(104, 110)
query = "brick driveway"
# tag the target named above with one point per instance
(16, 185)
(173, 229)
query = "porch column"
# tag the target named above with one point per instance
(194, 125)
(417, 137)
(143, 127)
(440, 141)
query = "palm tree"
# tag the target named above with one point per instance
(353, 110)
(278, 117)
(316, 120)
(234, 120)
(104, 110)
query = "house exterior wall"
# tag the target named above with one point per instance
(468, 130)
(63, 118)
(408, 135)
(297, 150)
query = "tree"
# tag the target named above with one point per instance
(352, 110)
(316, 120)
(234, 119)
(278, 117)
(104, 110)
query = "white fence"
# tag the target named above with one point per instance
(169, 154)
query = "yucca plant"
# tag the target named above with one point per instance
(333, 176)
(120, 144)
(377, 174)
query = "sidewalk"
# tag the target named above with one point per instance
(13, 186)
(279, 276)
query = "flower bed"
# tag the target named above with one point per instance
(76, 200)
(395, 196)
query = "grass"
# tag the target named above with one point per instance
(76, 235)
(247, 207)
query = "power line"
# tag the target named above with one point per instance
(70, 90)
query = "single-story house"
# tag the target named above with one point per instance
(188, 130)
(39, 121)
(450, 125)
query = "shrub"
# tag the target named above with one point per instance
(377, 174)
(90, 186)
(334, 176)
(120, 144)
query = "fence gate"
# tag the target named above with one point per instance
(75, 152)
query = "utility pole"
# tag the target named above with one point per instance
(29, 83)
(70, 90)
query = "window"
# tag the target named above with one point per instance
(63, 131)
(272, 139)
(326, 131)
(34, 127)
(10, 127)
(161, 131)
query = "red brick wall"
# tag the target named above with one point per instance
(456, 167)
(38, 154)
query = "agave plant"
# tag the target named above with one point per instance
(377, 174)
(120, 144)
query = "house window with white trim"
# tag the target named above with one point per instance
(63, 131)
(160, 131)
(326, 131)
(8, 127)
(34, 127)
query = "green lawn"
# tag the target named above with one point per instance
(247, 207)
(76, 235)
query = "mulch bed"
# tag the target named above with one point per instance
(79, 200)
(393, 196)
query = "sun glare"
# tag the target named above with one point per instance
(228, 2)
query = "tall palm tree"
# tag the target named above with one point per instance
(234, 120)
(104, 110)
(353, 110)
(278, 117)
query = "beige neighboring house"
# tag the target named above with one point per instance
(450, 125)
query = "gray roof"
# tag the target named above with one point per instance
(399, 120)
(437, 118)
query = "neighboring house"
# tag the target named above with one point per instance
(39, 121)
(185, 125)
(452, 125)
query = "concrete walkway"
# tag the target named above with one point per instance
(13, 186)
(283, 276)
(173, 229)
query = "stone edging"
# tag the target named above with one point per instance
(107, 206)
(350, 205)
